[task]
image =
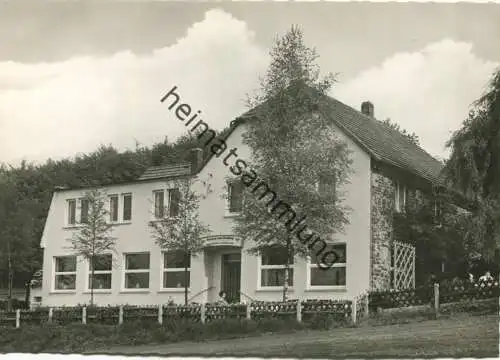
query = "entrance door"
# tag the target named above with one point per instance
(231, 274)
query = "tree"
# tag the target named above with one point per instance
(93, 239)
(474, 167)
(437, 228)
(16, 232)
(410, 136)
(178, 228)
(295, 153)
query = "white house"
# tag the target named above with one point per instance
(388, 170)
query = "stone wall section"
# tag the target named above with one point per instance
(382, 207)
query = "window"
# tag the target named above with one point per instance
(113, 208)
(137, 271)
(400, 197)
(333, 276)
(174, 197)
(102, 272)
(326, 185)
(159, 203)
(438, 212)
(173, 269)
(127, 207)
(235, 196)
(71, 212)
(272, 268)
(84, 210)
(65, 273)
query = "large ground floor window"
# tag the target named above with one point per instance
(174, 263)
(137, 271)
(272, 267)
(65, 273)
(103, 266)
(335, 276)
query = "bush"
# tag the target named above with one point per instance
(78, 337)
(16, 304)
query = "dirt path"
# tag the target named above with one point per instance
(464, 336)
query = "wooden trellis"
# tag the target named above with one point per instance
(403, 260)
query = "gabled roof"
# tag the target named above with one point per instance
(380, 141)
(166, 171)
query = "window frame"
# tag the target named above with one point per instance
(324, 184)
(171, 191)
(71, 220)
(155, 207)
(229, 184)
(261, 267)
(310, 265)
(398, 207)
(80, 215)
(63, 273)
(166, 270)
(135, 271)
(99, 272)
(123, 196)
(111, 211)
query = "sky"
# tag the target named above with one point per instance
(75, 75)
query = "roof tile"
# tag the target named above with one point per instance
(166, 171)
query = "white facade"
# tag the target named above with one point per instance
(138, 274)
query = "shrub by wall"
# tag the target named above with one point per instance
(78, 337)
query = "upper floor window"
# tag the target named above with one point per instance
(174, 197)
(65, 273)
(78, 210)
(438, 212)
(272, 267)
(326, 185)
(235, 196)
(400, 197)
(127, 207)
(84, 210)
(113, 208)
(159, 203)
(71, 212)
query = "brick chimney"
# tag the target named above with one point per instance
(196, 157)
(368, 109)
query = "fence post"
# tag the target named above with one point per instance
(354, 308)
(84, 315)
(202, 313)
(249, 310)
(299, 311)
(120, 315)
(51, 314)
(436, 298)
(18, 318)
(160, 314)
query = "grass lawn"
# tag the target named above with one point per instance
(460, 336)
